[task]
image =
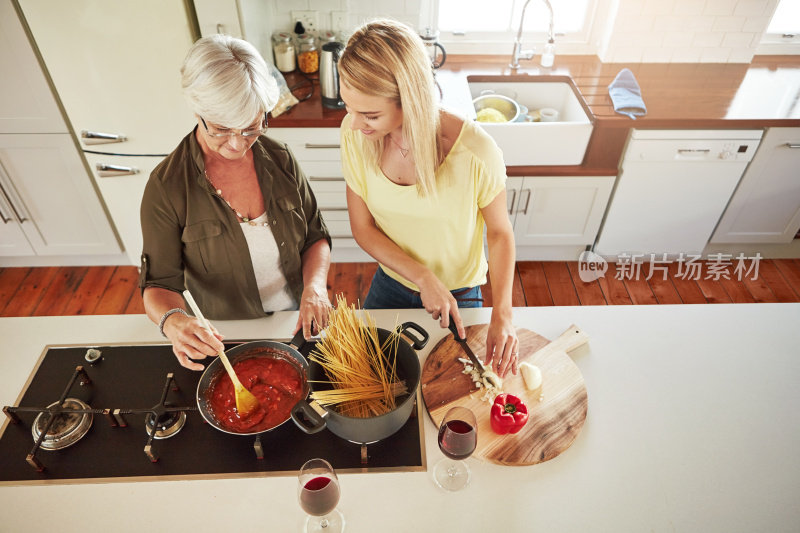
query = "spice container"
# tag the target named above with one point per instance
(283, 48)
(327, 37)
(307, 54)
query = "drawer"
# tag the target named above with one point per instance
(338, 222)
(331, 192)
(322, 170)
(310, 144)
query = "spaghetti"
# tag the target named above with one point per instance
(361, 370)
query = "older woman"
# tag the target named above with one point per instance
(421, 183)
(229, 214)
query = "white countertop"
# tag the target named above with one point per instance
(693, 425)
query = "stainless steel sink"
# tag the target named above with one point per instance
(562, 142)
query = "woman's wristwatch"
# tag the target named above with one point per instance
(166, 315)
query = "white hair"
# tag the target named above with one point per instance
(226, 81)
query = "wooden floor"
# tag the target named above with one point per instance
(56, 291)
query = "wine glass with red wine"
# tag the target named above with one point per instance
(318, 492)
(458, 437)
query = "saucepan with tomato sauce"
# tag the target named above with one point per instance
(276, 373)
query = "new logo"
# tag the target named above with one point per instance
(591, 266)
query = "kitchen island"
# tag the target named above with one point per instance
(693, 425)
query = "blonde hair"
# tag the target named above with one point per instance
(387, 58)
(226, 81)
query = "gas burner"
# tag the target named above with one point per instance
(72, 421)
(167, 424)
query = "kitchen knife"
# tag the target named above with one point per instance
(490, 376)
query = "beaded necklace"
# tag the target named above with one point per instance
(238, 214)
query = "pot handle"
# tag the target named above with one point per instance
(298, 340)
(417, 343)
(309, 418)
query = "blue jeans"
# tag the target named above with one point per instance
(387, 293)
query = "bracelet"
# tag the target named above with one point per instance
(166, 315)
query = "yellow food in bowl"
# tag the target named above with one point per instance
(490, 114)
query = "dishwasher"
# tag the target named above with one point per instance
(673, 187)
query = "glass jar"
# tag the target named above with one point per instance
(283, 48)
(327, 37)
(307, 54)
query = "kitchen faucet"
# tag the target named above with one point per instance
(518, 53)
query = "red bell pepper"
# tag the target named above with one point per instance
(508, 414)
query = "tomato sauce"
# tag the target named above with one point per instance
(276, 383)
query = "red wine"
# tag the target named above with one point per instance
(457, 439)
(319, 496)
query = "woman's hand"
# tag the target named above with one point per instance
(502, 344)
(190, 340)
(439, 302)
(314, 309)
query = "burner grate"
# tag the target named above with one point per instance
(64, 413)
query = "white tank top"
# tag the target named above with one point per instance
(272, 285)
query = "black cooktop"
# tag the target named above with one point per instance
(134, 377)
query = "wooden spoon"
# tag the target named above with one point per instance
(246, 402)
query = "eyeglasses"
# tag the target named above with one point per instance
(246, 134)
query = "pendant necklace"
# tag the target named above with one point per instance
(238, 214)
(403, 151)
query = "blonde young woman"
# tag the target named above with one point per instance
(421, 184)
(229, 214)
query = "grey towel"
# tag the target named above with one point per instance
(626, 95)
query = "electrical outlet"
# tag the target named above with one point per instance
(339, 21)
(310, 19)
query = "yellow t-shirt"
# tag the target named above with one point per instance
(446, 233)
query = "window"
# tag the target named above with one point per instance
(478, 26)
(783, 33)
(786, 19)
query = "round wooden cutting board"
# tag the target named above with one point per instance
(553, 423)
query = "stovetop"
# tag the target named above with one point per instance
(132, 379)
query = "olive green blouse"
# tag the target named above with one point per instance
(193, 240)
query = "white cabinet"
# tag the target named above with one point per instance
(49, 209)
(12, 238)
(27, 105)
(116, 68)
(218, 16)
(51, 198)
(252, 20)
(766, 205)
(556, 211)
(317, 151)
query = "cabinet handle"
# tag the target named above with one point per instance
(323, 209)
(110, 171)
(693, 150)
(4, 202)
(313, 146)
(527, 200)
(10, 199)
(322, 178)
(792, 145)
(513, 198)
(96, 137)
(341, 236)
